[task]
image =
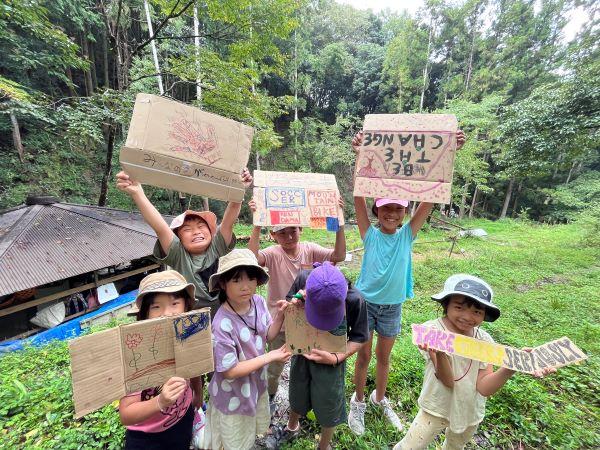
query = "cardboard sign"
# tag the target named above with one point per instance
(297, 199)
(558, 353)
(109, 364)
(179, 147)
(301, 337)
(407, 156)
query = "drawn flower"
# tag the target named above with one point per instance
(133, 340)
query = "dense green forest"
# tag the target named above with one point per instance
(304, 74)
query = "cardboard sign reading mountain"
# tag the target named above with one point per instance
(179, 147)
(407, 156)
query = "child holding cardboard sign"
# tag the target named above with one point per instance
(386, 282)
(455, 388)
(239, 404)
(160, 417)
(317, 378)
(284, 262)
(192, 243)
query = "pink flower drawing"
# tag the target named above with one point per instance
(133, 340)
(196, 139)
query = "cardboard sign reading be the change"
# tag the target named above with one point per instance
(107, 365)
(407, 156)
(179, 147)
(558, 353)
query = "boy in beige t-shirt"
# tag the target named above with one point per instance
(284, 262)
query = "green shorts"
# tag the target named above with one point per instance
(319, 387)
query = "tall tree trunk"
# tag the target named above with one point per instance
(89, 88)
(426, 68)
(463, 202)
(474, 201)
(570, 172)
(205, 204)
(110, 146)
(154, 52)
(105, 69)
(516, 199)
(16, 134)
(507, 198)
(91, 47)
(70, 84)
(197, 47)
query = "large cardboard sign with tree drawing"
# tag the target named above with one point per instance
(407, 156)
(179, 147)
(297, 199)
(558, 353)
(109, 364)
(302, 337)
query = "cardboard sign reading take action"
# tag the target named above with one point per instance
(297, 199)
(109, 364)
(301, 337)
(558, 353)
(407, 156)
(179, 147)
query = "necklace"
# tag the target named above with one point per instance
(470, 360)
(255, 329)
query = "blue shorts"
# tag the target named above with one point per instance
(385, 319)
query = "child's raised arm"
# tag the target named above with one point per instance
(232, 211)
(339, 250)
(254, 242)
(150, 214)
(424, 209)
(360, 205)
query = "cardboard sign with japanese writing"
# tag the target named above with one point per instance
(407, 156)
(106, 366)
(558, 353)
(297, 199)
(179, 147)
(301, 337)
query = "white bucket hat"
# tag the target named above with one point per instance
(239, 257)
(471, 287)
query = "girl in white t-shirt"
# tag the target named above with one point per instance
(455, 388)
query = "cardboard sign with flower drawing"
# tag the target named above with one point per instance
(147, 353)
(179, 147)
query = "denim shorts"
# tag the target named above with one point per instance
(385, 319)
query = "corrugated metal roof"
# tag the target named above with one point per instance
(41, 244)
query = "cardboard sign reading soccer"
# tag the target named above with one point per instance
(179, 147)
(297, 199)
(109, 364)
(301, 337)
(558, 353)
(407, 156)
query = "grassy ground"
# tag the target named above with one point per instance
(547, 284)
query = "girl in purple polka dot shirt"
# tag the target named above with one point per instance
(239, 403)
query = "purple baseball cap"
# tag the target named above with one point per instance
(379, 202)
(326, 289)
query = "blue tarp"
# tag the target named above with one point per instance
(68, 329)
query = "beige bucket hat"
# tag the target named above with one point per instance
(167, 282)
(239, 257)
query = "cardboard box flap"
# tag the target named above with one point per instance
(180, 147)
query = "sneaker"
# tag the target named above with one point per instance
(388, 412)
(280, 434)
(356, 418)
